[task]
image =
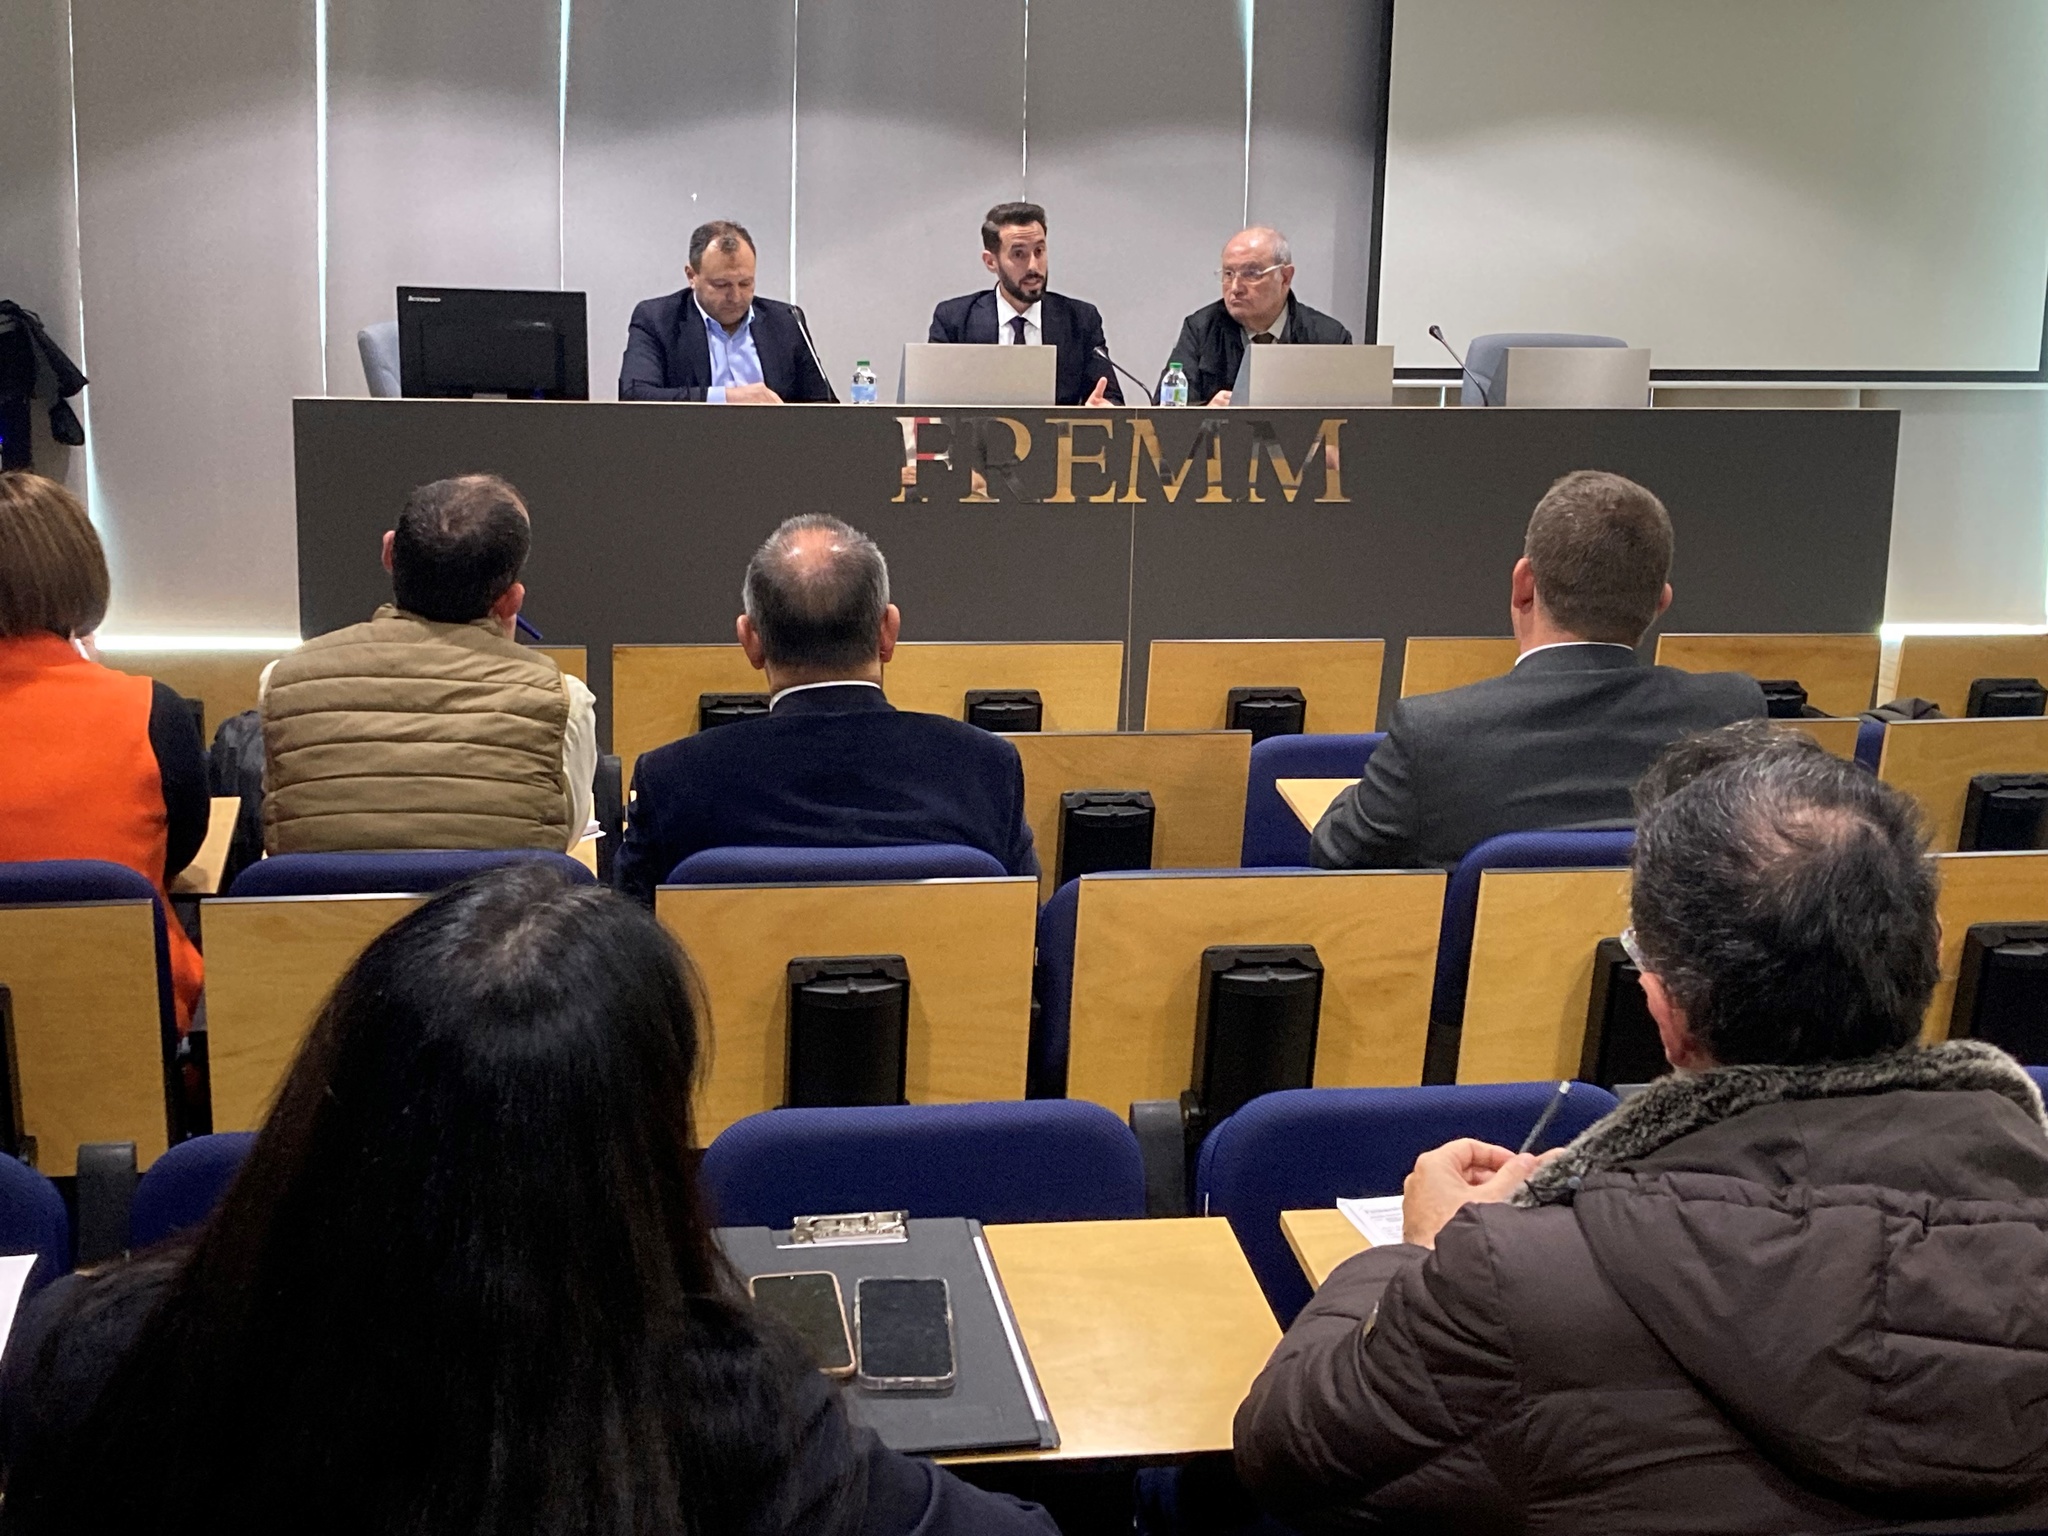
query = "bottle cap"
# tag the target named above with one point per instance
(860, 362)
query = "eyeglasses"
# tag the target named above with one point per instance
(1629, 947)
(1247, 275)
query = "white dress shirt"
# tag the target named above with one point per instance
(1034, 333)
(780, 694)
(1556, 645)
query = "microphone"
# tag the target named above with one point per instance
(1143, 388)
(817, 361)
(1438, 332)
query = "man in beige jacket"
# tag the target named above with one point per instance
(428, 726)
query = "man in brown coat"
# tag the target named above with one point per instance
(1799, 1285)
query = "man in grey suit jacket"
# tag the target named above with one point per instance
(1560, 740)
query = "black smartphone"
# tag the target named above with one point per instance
(905, 1329)
(810, 1303)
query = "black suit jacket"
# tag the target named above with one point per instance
(1211, 344)
(1072, 328)
(826, 768)
(1557, 742)
(669, 358)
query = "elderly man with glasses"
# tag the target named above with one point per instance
(1258, 308)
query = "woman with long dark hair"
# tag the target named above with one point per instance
(462, 1285)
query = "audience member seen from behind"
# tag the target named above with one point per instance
(1794, 1286)
(832, 764)
(463, 1283)
(428, 726)
(97, 764)
(1557, 741)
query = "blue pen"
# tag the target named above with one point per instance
(527, 629)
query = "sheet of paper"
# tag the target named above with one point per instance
(14, 1269)
(1377, 1217)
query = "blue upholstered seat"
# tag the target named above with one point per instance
(1274, 837)
(33, 1220)
(183, 1186)
(1061, 1160)
(367, 874)
(1303, 1148)
(834, 866)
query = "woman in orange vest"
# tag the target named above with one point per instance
(96, 764)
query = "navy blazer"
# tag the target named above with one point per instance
(1072, 328)
(834, 767)
(669, 358)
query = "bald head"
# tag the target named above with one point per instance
(817, 600)
(1258, 272)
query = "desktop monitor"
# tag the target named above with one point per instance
(459, 342)
(968, 373)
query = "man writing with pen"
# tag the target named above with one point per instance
(1792, 1286)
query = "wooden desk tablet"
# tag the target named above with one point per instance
(572, 659)
(1942, 667)
(1080, 682)
(1138, 946)
(1838, 736)
(1980, 888)
(224, 681)
(1532, 970)
(969, 945)
(1434, 663)
(270, 963)
(655, 689)
(1934, 760)
(1838, 672)
(1309, 798)
(1145, 1335)
(1321, 1239)
(1197, 780)
(1188, 682)
(202, 876)
(88, 1034)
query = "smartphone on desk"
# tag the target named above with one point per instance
(905, 1329)
(810, 1303)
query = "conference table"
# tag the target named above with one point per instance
(1105, 523)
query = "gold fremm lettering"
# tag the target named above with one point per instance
(1072, 453)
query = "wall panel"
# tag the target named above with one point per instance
(907, 132)
(197, 237)
(1316, 70)
(1135, 121)
(677, 114)
(442, 157)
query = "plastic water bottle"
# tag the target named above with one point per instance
(1173, 390)
(863, 391)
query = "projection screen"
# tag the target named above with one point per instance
(1854, 188)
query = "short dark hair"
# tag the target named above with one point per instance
(1005, 214)
(1600, 548)
(458, 546)
(723, 233)
(818, 614)
(1786, 901)
(1703, 751)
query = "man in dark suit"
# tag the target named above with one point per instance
(1560, 740)
(716, 341)
(1258, 307)
(1021, 311)
(832, 764)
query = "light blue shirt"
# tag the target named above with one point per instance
(733, 358)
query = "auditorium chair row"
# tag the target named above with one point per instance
(654, 688)
(1504, 947)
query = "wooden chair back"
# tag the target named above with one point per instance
(1839, 672)
(1934, 760)
(1532, 970)
(1435, 663)
(1080, 682)
(1188, 682)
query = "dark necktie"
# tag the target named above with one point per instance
(1017, 329)
(1263, 338)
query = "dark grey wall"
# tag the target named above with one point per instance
(644, 515)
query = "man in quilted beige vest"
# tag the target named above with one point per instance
(428, 726)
